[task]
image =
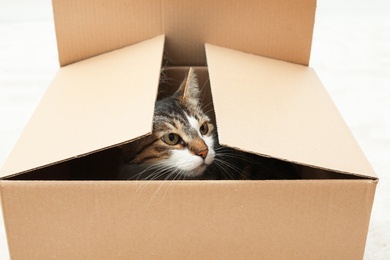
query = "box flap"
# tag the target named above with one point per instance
(91, 105)
(280, 109)
(279, 29)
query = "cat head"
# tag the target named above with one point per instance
(182, 141)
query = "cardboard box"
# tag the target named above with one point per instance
(60, 201)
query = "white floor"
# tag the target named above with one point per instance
(351, 54)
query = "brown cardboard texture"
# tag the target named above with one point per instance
(285, 103)
(278, 29)
(60, 198)
(90, 105)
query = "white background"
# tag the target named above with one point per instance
(351, 54)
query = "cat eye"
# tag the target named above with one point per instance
(171, 139)
(204, 128)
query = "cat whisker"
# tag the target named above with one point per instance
(172, 175)
(222, 170)
(224, 165)
(159, 172)
(228, 152)
(237, 156)
(209, 111)
(202, 88)
(177, 175)
(204, 107)
(147, 169)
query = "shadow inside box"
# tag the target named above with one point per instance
(107, 164)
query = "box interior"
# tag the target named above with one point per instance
(105, 164)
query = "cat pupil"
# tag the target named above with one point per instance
(171, 137)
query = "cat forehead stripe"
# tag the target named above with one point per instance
(193, 122)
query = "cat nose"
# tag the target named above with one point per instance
(203, 153)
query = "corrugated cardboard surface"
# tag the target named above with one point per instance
(298, 219)
(187, 220)
(279, 29)
(91, 105)
(281, 110)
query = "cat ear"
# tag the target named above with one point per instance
(188, 91)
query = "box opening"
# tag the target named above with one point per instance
(106, 164)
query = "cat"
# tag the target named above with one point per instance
(183, 146)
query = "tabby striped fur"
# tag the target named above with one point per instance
(182, 142)
(183, 145)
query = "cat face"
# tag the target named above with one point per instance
(182, 142)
